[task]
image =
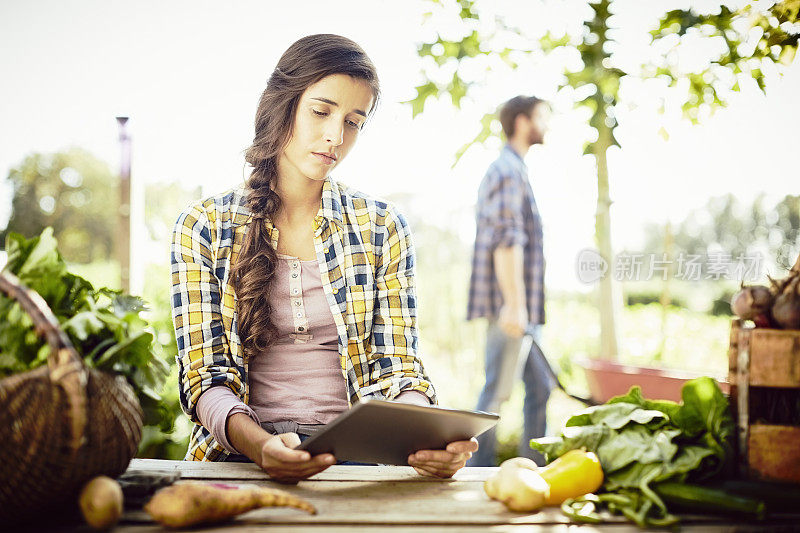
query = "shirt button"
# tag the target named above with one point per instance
(301, 328)
(294, 274)
(295, 291)
(294, 265)
(299, 315)
(297, 303)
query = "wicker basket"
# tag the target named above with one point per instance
(61, 424)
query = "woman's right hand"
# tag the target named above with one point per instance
(283, 463)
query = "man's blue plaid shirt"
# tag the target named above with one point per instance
(507, 215)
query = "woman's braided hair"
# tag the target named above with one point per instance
(304, 63)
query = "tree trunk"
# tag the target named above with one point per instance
(609, 291)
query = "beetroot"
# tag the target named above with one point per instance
(753, 303)
(786, 309)
(777, 306)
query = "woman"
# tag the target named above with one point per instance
(293, 296)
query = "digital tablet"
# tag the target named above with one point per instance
(380, 431)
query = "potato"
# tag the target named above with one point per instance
(101, 502)
(521, 489)
(518, 487)
(490, 487)
(520, 462)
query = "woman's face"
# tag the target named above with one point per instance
(329, 117)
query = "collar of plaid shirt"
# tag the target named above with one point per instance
(330, 210)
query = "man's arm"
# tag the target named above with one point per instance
(508, 267)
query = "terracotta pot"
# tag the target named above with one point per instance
(608, 379)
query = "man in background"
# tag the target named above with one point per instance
(507, 282)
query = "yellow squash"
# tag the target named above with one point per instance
(574, 474)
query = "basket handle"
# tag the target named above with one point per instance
(65, 365)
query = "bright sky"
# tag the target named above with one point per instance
(190, 75)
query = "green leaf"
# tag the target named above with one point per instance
(580, 78)
(18, 249)
(616, 415)
(82, 325)
(634, 396)
(43, 259)
(549, 43)
(457, 89)
(132, 346)
(631, 476)
(125, 303)
(423, 92)
(637, 444)
(573, 438)
(704, 407)
(483, 134)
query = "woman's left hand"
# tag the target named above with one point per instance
(443, 463)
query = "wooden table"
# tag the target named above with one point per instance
(379, 499)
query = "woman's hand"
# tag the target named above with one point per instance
(283, 463)
(443, 463)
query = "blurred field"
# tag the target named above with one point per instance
(452, 349)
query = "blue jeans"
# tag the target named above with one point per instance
(503, 361)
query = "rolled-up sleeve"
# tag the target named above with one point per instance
(203, 358)
(394, 365)
(503, 210)
(214, 408)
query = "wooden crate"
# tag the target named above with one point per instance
(764, 364)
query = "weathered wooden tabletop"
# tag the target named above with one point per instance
(381, 498)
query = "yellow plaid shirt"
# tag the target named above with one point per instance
(366, 260)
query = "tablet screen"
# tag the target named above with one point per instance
(380, 431)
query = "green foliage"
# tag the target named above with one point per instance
(169, 438)
(71, 191)
(104, 325)
(598, 73)
(745, 53)
(752, 38)
(641, 442)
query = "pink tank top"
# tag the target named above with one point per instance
(300, 377)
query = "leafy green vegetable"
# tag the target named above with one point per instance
(642, 442)
(104, 325)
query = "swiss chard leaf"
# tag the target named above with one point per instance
(616, 415)
(637, 444)
(640, 441)
(634, 396)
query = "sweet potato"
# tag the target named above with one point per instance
(189, 503)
